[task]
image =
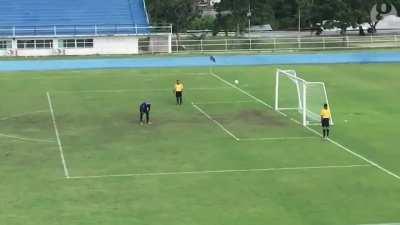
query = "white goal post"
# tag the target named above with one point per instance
(296, 94)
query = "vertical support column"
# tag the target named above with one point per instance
(277, 90)
(250, 44)
(152, 45)
(14, 44)
(170, 43)
(56, 43)
(304, 104)
(299, 94)
(299, 43)
(177, 44)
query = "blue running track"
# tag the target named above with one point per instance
(199, 61)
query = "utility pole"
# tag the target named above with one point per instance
(249, 18)
(299, 19)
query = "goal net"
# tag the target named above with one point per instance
(296, 94)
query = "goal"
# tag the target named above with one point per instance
(295, 94)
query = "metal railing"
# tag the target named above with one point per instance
(81, 30)
(285, 43)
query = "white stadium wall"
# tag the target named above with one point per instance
(101, 46)
(106, 46)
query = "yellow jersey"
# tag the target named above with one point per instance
(178, 87)
(326, 113)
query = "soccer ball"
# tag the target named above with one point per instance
(236, 82)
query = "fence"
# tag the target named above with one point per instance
(284, 43)
(81, 30)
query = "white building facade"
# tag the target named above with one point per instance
(117, 44)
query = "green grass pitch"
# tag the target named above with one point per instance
(185, 169)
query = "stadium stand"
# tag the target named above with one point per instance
(72, 12)
(69, 24)
(77, 13)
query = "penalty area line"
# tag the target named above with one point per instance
(23, 114)
(203, 172)
(60, 146)
(381, 224)
(383, 169)
(241, 90)
(139, 90)
(277, 138)
(223, 102)
(11, 136)
(216, 122)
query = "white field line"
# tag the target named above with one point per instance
(277, 138)
(224, 171)
(296, 121)
(11, 136)
(282, 113)
(223, 102)
(60, 147)
(23, 114)
(241, 90)
(314, 131)
(140, 90)
(381, 224)
(216, 122)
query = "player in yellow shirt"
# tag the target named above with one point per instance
(178, 90)
(325, 120)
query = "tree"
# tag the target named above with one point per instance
(262, 12)
(286, 13)
(202, 23)
(234, 14)
(179, 13)
(346, 13)
(333, 13)
(305, 10)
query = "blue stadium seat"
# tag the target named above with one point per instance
(38, 17)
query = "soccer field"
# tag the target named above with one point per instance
(72, 150)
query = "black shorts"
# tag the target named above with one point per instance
(325, 122)
(178, 94)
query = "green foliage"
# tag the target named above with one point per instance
(335, 13)
(179, 13)
(232, 14)
(281, 14)
(202, 23)
(262, 12)
(286, 13)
